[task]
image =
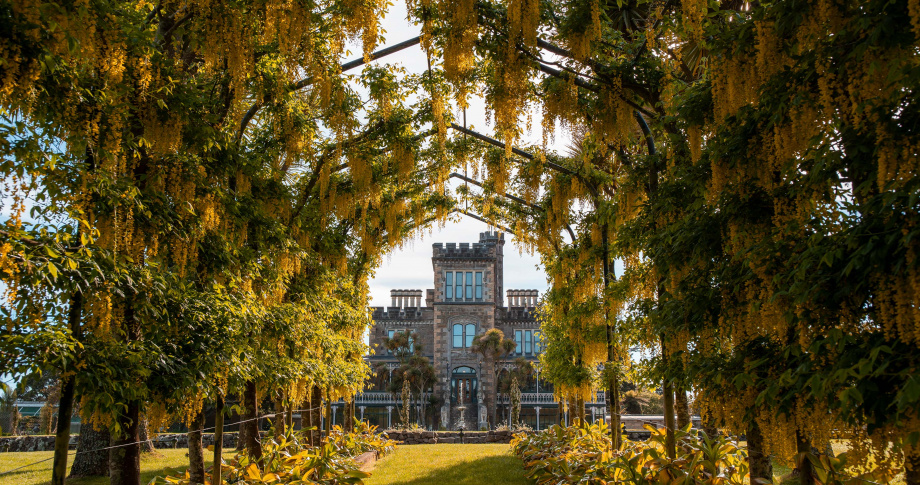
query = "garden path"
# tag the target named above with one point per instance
(449, 464)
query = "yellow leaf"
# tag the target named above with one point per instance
(269, 477)
(253, 472)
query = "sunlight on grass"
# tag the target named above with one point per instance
(449, 464)
(152, 465)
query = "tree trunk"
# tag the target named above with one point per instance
(315, 415)
(803, 464)
(65, 410)
(62, 439)
(125, 460)
(670, 441)
(253, 444)
(758, 462)
(682, 406)
(218, 439)
(580, 411)
(616, 431)
(89, 462)
(144, 434)
(912, 465)
(289, 416)
(709, 427)
(195, 450)
(279, 423)
(241, 439)
(329, 417)
(348, 417)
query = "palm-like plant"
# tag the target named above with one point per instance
(493, 345)
(9, 412)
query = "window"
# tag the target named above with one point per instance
(528, 339)
(458, 291)
(518, 341)
(458, 336)
(449, 285)
(479, 285)
(469, 285)
(463, 335)
(537, 344)
(412, 337)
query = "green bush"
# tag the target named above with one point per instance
(288, 459)
(582, 455)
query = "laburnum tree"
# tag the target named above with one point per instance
(207, 196)
(753, 165)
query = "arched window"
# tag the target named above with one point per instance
(458, 336)
(463, 335)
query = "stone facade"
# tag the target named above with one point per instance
(467, 299)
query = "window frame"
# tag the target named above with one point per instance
(528, 342)
(458, 286)
(518, 342)
(448, 285)
(455, 336)
(478, 294)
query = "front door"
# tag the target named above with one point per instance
(463, 384)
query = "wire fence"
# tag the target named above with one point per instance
(74, 453)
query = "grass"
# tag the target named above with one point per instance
(449, 464)
(152, 465)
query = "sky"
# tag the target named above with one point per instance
(410, 267)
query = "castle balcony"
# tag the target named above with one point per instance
(545, 398)
(383, 398)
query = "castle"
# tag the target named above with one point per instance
(468, 390)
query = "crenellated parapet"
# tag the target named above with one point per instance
(489, 247)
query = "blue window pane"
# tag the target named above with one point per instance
(458, 336)
(537, 344)
(470, 333)
(479, 285)
(469, 285)
(458, 293)
(528, 338)
(449, 285)
(518, 340)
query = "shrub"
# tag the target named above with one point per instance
(288, 459)
(582, 455)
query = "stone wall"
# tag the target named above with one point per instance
(31, 443)
(46, 443)
(433, 437)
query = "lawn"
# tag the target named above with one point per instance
(449, 464)
(152, 465)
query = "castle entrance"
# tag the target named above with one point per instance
(464, 387)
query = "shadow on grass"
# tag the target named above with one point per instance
(487, 470)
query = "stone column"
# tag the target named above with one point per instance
(334, 408)
(389, 416)
(361, 408)
(537, 409)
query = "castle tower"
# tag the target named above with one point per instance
(468, 291)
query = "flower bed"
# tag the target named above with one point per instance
(289, 459)
(583, 456)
